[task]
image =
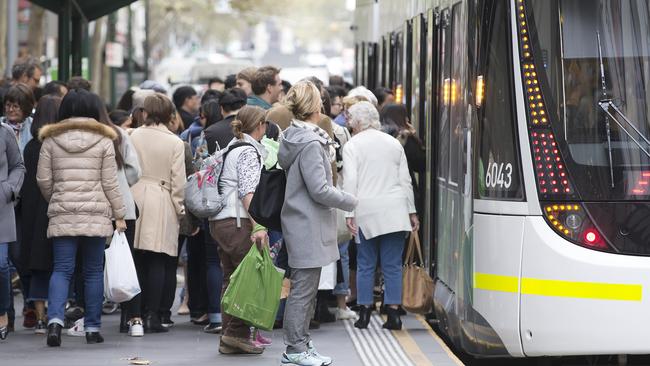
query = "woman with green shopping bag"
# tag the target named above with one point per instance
(232, 227)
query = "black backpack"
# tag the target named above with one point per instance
(266, 205)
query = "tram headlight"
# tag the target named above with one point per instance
(570, 221)
(573, 221)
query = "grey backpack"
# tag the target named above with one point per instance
(202, 196)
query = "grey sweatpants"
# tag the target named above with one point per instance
(300, 307)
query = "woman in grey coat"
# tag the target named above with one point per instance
(12, 172)
(308, 217)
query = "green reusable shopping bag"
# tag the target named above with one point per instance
(253, 294)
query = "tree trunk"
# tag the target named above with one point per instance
(3, 38)
(35, 32)
(96, 57)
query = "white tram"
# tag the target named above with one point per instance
(536, 118)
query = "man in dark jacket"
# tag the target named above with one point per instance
(220, 134)
(186, 101)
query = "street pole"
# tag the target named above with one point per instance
(147, 9)
(129, 50)
(111, 38)
(64, 41)
(12, 34)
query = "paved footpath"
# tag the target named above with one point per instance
(186, 344)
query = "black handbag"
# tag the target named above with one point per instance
(266, 205)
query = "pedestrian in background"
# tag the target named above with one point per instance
(128, 174)
(308, 221)
(12, 172)
(81, 152)
(187, 103)
(245, 79)
(386, 211)
(159, 197)
(36, 248)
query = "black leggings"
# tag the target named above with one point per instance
(157, 276)
(133, 307)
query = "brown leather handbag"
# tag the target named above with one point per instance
(417, 285)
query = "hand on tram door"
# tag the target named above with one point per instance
(415, 222)
(120, 225)
(352, 225)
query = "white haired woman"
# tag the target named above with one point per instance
(386, 210)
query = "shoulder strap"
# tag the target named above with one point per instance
(241, 144)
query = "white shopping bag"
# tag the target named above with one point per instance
(120, 278)
(327, 277)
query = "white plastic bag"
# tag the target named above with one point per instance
(120, 278)
(327, 277)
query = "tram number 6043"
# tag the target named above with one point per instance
(496, 176)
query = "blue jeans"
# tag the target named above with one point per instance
(5, 279)
(389, 247)
(65, 250)
(39, 285)
(343, 288)
(214, 280)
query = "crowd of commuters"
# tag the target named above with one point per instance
(71, 173)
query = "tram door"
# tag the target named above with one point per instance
(430, 133)
(453, 193)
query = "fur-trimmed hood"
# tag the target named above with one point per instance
(77, 134)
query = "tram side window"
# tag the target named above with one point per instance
(444, 101)
(498, 166)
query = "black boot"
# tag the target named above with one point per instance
(393, 322)
(152, 324)
(124, 319)
(94, 337)
(54, 335)
(364, 317)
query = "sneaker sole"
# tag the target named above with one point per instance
(226, 350)
(286, 362)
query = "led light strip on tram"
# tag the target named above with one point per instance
(568, 219)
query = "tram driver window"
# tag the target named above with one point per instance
(499, 170)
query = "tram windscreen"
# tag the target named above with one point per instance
(594, 53)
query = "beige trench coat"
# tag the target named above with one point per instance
(159, 193)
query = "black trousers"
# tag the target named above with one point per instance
(154, 273)
(197, 274)
(133, 307)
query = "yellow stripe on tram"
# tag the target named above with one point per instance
(583, 290)
(558, 288)
(492, 282)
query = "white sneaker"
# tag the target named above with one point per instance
(301, 359)
(344, 314)
(77, 329)
(136, 329)
(311, 349)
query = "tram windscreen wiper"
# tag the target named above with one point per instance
(607, 105)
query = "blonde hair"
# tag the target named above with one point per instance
(247, 120)
(303, 100)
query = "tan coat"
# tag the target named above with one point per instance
(159, 193)
(77, 175)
